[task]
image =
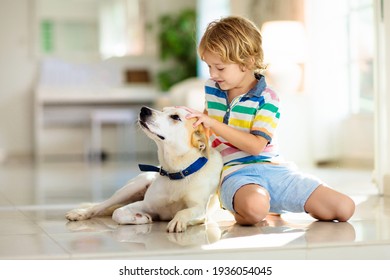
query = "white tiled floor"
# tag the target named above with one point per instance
(35, 198)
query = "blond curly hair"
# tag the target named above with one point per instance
(236, 40)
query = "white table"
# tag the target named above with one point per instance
(75, 107)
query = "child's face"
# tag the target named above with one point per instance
(227, 75)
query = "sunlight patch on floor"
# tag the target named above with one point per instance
(256, 241)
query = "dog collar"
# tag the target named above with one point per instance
(194, 167)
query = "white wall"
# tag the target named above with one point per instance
(208, 11)
(17, 76)
(382, 112)
(335, 131)
(325, 77)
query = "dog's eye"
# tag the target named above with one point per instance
(175, 117)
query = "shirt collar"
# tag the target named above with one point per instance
(257, 89)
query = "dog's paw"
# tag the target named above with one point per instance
(125, 216)
(177, 225)
(79, 214)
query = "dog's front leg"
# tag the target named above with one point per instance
(132, 191)
(186, 217)
(134, 214)
(145, 211)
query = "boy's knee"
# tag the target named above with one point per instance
(252, 204)
(345, 210)
(252, 212)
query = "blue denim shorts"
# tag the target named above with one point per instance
(288, 188)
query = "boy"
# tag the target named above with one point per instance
(243, 113)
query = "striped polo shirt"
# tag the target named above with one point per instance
(256, 112)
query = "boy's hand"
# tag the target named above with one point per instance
(201, 117)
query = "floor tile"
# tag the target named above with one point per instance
(367, 252)
(19, 227)
(35, 198)
(30, 246)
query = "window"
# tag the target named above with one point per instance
(121, 27)
(360, 20)
(75, 28)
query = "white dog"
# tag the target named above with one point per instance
(181, 191)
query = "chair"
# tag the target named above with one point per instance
(124, 119)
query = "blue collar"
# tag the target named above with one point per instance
(194, 167)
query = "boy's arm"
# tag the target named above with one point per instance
(247, 142)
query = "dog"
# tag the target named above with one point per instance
(183, 190)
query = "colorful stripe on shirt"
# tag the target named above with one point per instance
(256, 112)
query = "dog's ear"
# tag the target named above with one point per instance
(200, 139)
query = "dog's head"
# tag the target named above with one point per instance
(170, 127)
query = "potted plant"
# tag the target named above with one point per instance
(177, 39)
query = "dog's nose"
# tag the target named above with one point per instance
(144, 113)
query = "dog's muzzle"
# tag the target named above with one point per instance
(144, 115)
